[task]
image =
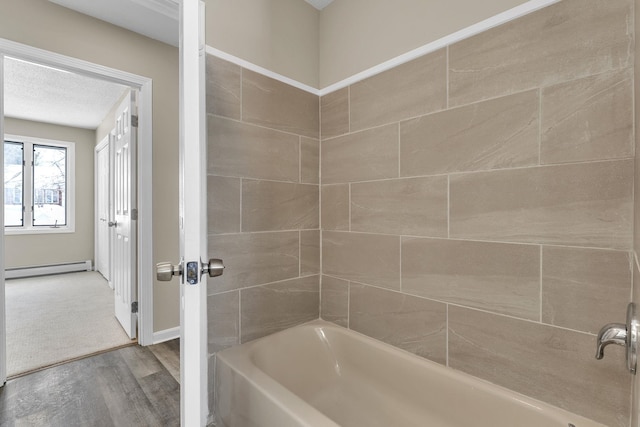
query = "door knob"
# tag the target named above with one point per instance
(214, 267)
(165, 271)
(112, 224)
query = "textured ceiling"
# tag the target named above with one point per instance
(44, 94)
(319, 4)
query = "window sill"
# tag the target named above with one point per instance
(38, 230)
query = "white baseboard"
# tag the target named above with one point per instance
(166, 335)
(43, 270)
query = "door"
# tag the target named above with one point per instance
(3, 331)
(124, 221)
(103, 208)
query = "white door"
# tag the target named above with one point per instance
(193, 203)
(103, 208)
(124, 223)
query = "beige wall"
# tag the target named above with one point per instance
(263, 205)
(355, 35)
(279, 35)
(477, 205)
(44, 249)
(48, 26)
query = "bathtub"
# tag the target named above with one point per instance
(321, 375)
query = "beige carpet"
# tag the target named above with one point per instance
(51, 319)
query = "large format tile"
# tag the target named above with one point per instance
(309, 160)
(565, 41)
(588, 119)
(242, 150)
(586, 204)
(551, 364)
(366, 258)
(408, 90)
(334, 113)
(254, 258)
(272, 308)
(269, 205)
(584, 289)
(361, 156)
(223, 204)
(334, 300)
(223, 324)
(499, 277)
(413, 206)
(309, 252)
(271, 103)
(223, 88)
(494, 134)
(335, 207)
(408, 322)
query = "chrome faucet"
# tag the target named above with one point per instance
(625, 335)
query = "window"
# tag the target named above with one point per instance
(38, 185)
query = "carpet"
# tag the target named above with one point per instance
(52, 319)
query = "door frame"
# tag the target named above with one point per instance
(106, 142)
(144, 86)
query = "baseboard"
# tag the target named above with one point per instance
(166, 335)
(43, 270)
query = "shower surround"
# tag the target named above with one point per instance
(474, 206)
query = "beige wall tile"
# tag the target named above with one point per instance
(366, 258)
(223, 326)
(334, 301)
(584, 289)
(254, 259)
(548, 363)
(271, 103)
(310, 160)
(223, 204)
(500, 133)
(499, 277)
(568, 40)
(309, 252)
(334, 113)
(272, 308)
(588, 119)
(411, 323)
(361, 156)
(335, 207)
(223, 88)
(242, 150)
(270, 205)
(414, 206)
(586, 204)
(409, 90)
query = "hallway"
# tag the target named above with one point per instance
(131, 386)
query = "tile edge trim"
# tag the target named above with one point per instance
(472, 30)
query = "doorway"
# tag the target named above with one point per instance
(143, 267)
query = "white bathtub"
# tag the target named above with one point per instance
(322, 375)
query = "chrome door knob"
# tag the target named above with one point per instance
(214, 267)
(112, 224)
(165, 271)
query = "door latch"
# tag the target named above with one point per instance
(165, 270)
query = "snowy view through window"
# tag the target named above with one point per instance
(48, 192)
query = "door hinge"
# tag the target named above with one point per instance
(134, 214)
(134, 121)
(134, 307)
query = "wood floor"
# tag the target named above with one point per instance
(132, 386)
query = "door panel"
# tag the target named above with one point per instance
(124, 266)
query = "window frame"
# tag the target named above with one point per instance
(28, 192)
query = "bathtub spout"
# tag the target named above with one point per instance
(613, 333)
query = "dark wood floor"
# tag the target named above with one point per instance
(132, 386)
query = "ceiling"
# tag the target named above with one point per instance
(44, 94)
(319, 4)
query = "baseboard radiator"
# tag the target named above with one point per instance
(43, 270)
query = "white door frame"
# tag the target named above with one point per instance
(193, 216)
(106, 142)
(146, 266)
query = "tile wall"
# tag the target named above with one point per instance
(477, 204)
(264, 211)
